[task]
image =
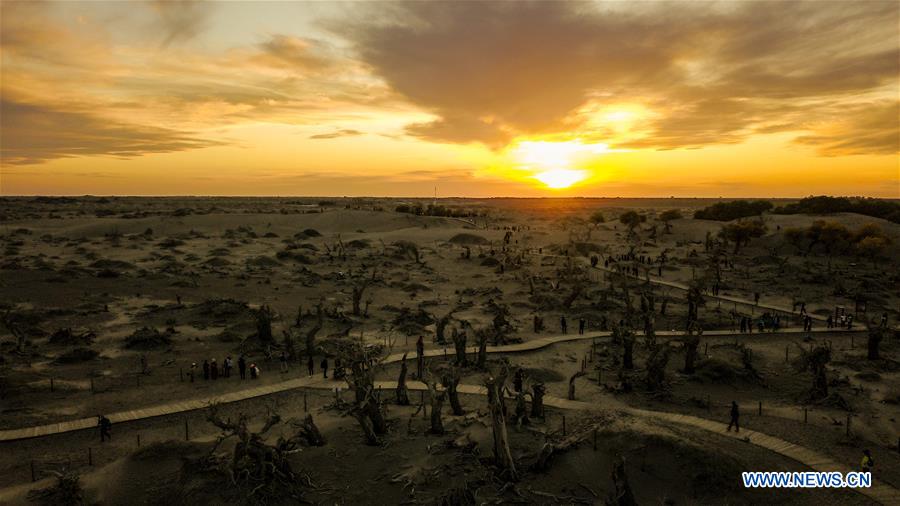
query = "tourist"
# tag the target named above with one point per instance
(105, 427)
(213, 369)
(283, 359)
(324, 366)
(581, 324)
(242, 367)
(735, 413)
(310, 365)
(254, 372)
(205, 369)
(867, 462)
(228, 366)
(562, 324)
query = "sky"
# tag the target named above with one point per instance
(527, 99)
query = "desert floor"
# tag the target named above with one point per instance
(116, 298)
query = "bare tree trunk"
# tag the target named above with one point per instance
(622, 495)
(502, 455)
(402, 390)
(459, 344)
(537, 400)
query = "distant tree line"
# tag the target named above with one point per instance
(822, 204)
(727, 211)
(435, 210)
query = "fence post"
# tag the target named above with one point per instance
(305, 408)
(706, 349)
(760, 408)
(187, 435)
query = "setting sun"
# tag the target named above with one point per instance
(561, 178)
(556, 164)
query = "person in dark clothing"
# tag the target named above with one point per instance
(213, 369)
(206, 369)
(518, 377)
(581, 324)
(756, 298)
(242, 367)
(884, 321)
(324, 366)
(735, 413)
(562, 324)
(310, 366)
(105, 427)
(743, 324)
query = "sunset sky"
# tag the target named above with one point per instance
(752, 98)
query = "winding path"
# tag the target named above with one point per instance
(316, 382)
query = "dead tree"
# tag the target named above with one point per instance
(440, 325)
(311, 333)
(308, 433)
(402, 390)
(622, 495)
(656, 367)
(502, 455)
(626, 337)
(9, 321)
(876, 335)
(572, 384)
(815, 361)
(459, 344)
(574, 294)
(537, 400)
(690, 344)
(358, 291)
(482, 336)
(436, 397)
(450, 381)
(261, 469)
(521, 415)
(362, 361)
(264, 325)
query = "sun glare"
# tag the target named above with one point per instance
(555, 163)
(561, 178)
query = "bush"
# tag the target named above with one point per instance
(822, 204)
(727, 211)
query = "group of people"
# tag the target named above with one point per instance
(766, 321)
(564, 325)
(845, 321)
(212, 371)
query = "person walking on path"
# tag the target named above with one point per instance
(735, 414)
(867, 462)
(205, 369)
(242, 367)
(228, 366)
(581, 324)
(254, 372)
(562, 324)
(518, 379)
(213, 369)
(310, 365)
(283, 359)
(105, 428)
(324, 366)
(192, 371)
